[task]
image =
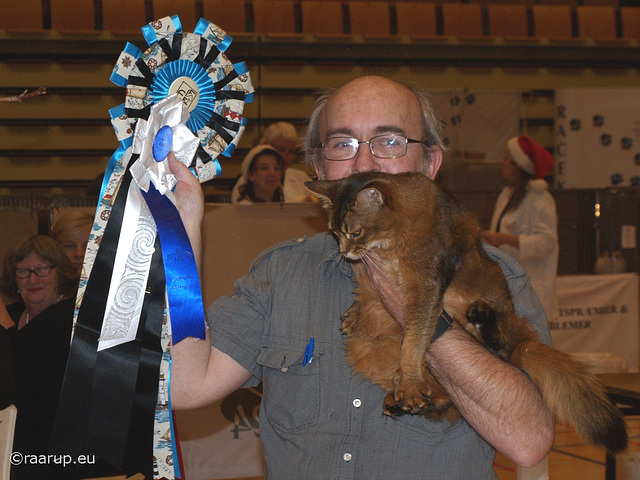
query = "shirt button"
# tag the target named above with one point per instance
(357, 402)
(284, 369)
(347, 457)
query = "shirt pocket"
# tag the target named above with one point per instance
(419, 429)
(291, 393)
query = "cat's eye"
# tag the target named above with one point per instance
(355, 234)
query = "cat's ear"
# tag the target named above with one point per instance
(325, 190)
(370, 198)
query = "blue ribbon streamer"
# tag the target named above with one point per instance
(181, 272)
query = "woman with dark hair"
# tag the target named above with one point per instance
(262, 170)
(525, 222)
(41, 275)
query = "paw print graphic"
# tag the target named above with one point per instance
(575, 124)
(598, 120)
(616, 179)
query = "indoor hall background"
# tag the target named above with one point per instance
(56, 144)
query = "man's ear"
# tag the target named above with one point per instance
(436, 162)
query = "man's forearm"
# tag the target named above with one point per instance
(497, 399)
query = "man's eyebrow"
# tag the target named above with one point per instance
(343, 131)
(390, 129)
(339, 132)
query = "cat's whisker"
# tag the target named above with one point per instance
(373, 266)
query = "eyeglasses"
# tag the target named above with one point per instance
(382, 146)
(42, 271)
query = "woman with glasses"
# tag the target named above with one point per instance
(39, 273)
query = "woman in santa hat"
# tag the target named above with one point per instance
(525, 222)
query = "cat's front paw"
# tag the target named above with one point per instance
(390, 407)
(349, 319)
(412, 396)
(437, 401)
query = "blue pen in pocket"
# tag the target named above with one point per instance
(308, 352)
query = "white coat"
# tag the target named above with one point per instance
(535, 222)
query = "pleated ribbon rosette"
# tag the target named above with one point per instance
(140, 291)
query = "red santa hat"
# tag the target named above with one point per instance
(530, 156)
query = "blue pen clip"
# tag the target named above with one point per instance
(308, 352)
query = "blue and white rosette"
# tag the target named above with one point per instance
(193, 66)
(184, 91)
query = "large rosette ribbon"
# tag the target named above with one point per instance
(141, 292)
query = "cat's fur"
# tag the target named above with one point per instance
(430, 246)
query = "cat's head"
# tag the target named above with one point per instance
(360, 211)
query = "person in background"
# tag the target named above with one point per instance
(525, 221)
(72, 230)
(284, 137)
(262, 172)
(7, 389)
(41, 275)
(318, 419)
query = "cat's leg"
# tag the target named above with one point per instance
(483, 317)
(412, 392)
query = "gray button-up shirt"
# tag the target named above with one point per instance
(319, 420)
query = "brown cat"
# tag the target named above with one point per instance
(430, 246)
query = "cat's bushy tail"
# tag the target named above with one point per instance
(573, 395)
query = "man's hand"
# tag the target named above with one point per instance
(499, 238)
(190, 200)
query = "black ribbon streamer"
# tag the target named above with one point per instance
(108, 399)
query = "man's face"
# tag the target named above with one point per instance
(367, 107)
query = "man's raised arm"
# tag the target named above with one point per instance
(200, 374)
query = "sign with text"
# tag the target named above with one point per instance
(598, 313)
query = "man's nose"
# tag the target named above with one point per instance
(365, 161)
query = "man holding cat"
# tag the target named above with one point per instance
(317, 419)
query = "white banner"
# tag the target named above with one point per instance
(597, 137)
(598, 313)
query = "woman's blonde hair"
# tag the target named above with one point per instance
(71, 223)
